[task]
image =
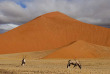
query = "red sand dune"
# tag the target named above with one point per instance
(81, 49)
(50, 31)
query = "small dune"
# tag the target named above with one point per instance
(81, 49)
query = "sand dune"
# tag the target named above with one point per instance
(51, 31)
(81, 49)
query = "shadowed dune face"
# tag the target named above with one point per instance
(51, 31)
(81, 49)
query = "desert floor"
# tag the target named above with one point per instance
(11, 64)
(54, 66)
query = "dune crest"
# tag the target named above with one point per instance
(51, 31)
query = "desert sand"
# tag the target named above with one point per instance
(50, 31)
(34, 65)
(29, 55)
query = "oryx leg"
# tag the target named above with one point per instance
(68, 65)
(79, 66)
(74, 65)
(23, 63)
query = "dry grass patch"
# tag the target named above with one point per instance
(55, 66)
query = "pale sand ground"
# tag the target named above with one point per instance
(11, 64)
(55, 66)
(29, 55)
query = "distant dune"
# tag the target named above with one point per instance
(81, 49)
(51, 31)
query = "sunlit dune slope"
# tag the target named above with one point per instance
(50, 31)
(81, 49)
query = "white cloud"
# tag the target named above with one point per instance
(10, 12)
(90, 20)
(8, 26)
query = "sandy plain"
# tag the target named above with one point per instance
(11, 64)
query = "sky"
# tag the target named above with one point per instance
(17, 12)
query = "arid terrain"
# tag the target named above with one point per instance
(49, 41)
(11, 64)
(54, 66)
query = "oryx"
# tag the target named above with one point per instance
(23, 61)
(75, 63)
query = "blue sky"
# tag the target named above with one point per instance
(18, 12)
(21, 4)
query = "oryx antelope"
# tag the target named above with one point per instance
(75, 63)
(23, 61)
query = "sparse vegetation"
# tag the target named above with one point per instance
(54, 66)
